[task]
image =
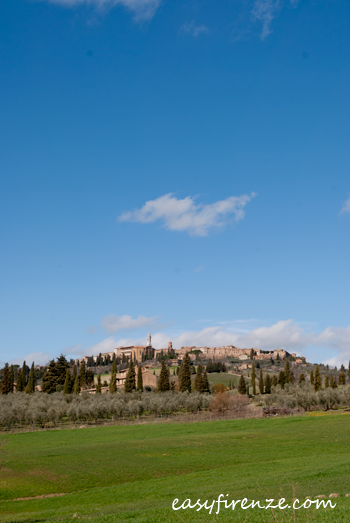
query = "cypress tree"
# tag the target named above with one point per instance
(317, 380)
(6, 380)
(341, 378)
(139, 379)
(24, 375)
(50, 379)
(67, 389)
(19, 383)
(261, 382)
(274, 380)
(301, 378)
(185, 376)
(205, 382)
(82, 375)
(12, 377)
(113, 381)
(282, 379)
(130, 382)
(90, 378)
(288, 376)
(268, 384)
(76, 388)
(253, 378)
(332, 382)
(163, 383)
(31, 382)
(326, 382)
(242, 387)
(61, 369)
(98, 386)
(349, 370)
(74, 375)
(312, 377)
(198, 382)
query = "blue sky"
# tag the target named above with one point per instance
(181, 167)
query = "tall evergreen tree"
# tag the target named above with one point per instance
(67, 389)
(139, 379)
(282, 379)
(50, 379)
(274, 380)
(205, 382)
(82, 375)
(74, 375)
(30, 388)
(253, 378)
(317, 380)
(287, 374)
(24, 375)
(61, 369)
(185, 376)
(12, 377)
(198, 382)
(261, 382)
(332, 382)
(312, 377)
(349, 370)
(163, 383)
(130, 380)
(326, 382)
(301, 378)
(341, 378)
(242, 387)
(76, 387)
(113, 380)
(90, 378)
(98, 386)
(268, 384)
(19, 382)
(6, 380)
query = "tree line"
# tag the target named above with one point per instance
(37, 408)
(285, 377)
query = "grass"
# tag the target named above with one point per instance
(133, 473)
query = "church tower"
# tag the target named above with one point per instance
(149, 340)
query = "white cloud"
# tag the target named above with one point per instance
(107, 345)
(194, 29)
(113, 323)
(142, 9)
(39, 358)
(264, 11)
(186, 215)
(346, 207)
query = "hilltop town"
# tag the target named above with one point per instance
(139, 353)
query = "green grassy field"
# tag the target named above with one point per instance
(133, 473)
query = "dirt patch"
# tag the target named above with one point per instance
(40, 497)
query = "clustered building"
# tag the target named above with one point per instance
(137, 352)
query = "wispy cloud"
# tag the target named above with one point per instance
(142, 9)
(264, 11)
(346, 207)
(186, 215)
(195, 29)
(39, 358)
(113, 323)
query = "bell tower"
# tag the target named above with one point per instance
(149, 340)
